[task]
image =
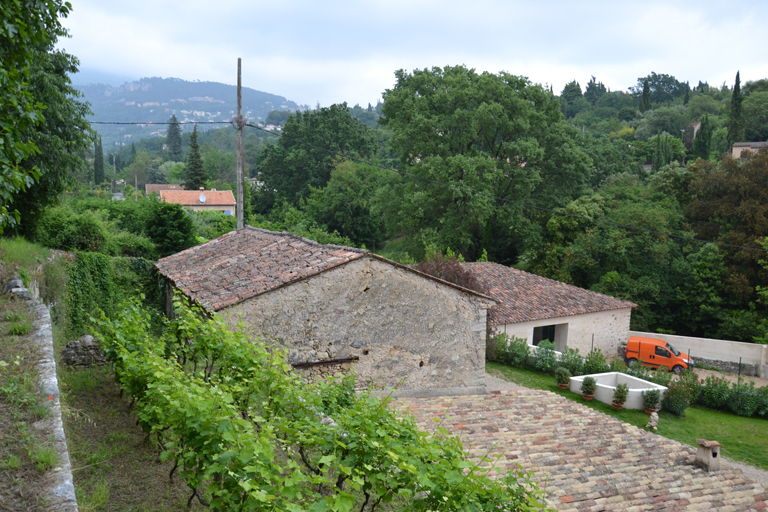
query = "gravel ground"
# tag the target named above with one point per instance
(493, 383)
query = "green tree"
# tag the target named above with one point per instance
(307, 150)
(344, 204)
(278, 117)
(496, 134)
(173, 139)
(756, 116)
(63, 138)
(195, 173)
(27, 27)
(666, 149)
(594, 91)
(661, 88)
(170, 228)
(572, 101)
(98, 163)
(645, 99)
(736, 118)
(703, 141)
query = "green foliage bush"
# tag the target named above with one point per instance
(170, 228)
(588, 386)
(212, 224)
(514, 351)
(680, 393)
(63, 228)
(595, 362)
(715, 393)
(572, 361)
(651, 398)
(248, 434)
(544, 357)
(562, 375)
(620, 394)
(744, 399)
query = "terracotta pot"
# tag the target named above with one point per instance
(588, 397)
(563, 386)
(617, 406)
(650, 411)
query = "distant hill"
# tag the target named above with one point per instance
(154, 100)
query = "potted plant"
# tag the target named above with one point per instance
(588, 387)
(620, 396)
(651, 399)
(563, 377)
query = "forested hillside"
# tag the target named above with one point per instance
(154, 100)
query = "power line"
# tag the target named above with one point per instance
(463, 189)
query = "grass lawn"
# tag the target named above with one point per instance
(743, 439)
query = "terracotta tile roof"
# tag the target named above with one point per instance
(584, 459)
(251, 261)
(524, 297)
(155, 188)
(192, 197)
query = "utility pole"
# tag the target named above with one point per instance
(240, 156)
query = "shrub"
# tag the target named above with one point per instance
(562, 375)
(651, 398)
(595, 362)
(621, 394)
(588, 386)
(136, 246)
(514, 352)
(170, 228)
(572, 361)
(544, 357)
(617, 365)
(448, 268)
(680, 394)
(63, 228)
(744, 399)
(715, 393)
(762, 394)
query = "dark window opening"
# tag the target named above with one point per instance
(545, 332)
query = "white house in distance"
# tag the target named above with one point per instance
(536, 308)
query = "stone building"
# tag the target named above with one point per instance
(334, 306)
(536, 308)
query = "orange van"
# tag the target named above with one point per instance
(656, 354)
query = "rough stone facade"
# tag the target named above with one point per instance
(407, 331)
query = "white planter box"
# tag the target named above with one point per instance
(606, 386)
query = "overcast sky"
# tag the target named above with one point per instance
(334, 51)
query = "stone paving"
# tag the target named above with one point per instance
(584, 459)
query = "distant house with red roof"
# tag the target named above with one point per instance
(339, 309)
(536, 308)
(220, 200)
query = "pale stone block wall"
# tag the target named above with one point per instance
(610, 328)
(408, 331)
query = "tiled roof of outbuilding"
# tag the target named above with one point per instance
(251, 261)
(524, 297)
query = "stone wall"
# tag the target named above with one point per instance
(408, 332)
(610, 328)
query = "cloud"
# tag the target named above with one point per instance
(348, 51)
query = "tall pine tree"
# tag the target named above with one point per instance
(195, 173)
(736, 119)
(173, 140)
(98, 163)
(645, 99)
(703, 141)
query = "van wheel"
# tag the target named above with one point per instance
(631, 362)
(677, 369)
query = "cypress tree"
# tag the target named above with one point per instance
(98, 163)
(703, 141)
(195, 172)
(174, 139)
(645, 99)
(687, 97)
(736, 120)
